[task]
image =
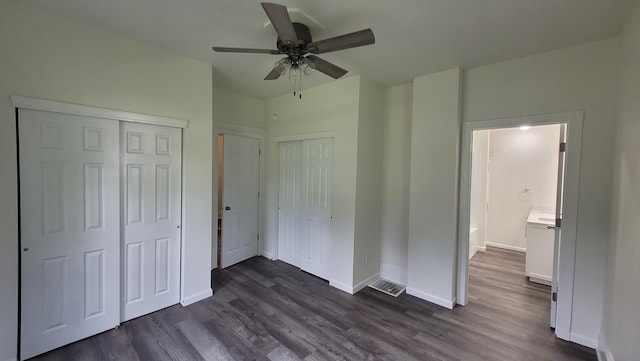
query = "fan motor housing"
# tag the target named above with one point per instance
(304, 37)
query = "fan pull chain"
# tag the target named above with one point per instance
(294, 86)
(297, 84)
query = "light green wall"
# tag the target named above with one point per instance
(240, 109)
(621, 323)
(369, 182)
(433, 204)
(395, 195)
(49, 57)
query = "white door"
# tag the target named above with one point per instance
(69, 229)
(151, 198)
(290, 202)
(316, 180)
(304, 215)
(240, 199)
(557, 236)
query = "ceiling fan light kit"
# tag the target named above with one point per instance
(295, 42)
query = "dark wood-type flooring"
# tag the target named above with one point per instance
(268, 310)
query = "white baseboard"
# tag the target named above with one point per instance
(473, 252)
(506, 246)
(604, 351)
(394, 273)
(354, 289)
(366, 282)
(604, 355)
(197, 297)
(341, 286)
(584, 340)
(431, 298)
(269, 255)
(482, 248)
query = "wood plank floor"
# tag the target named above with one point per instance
(268, 310)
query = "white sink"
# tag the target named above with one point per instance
(541, 217)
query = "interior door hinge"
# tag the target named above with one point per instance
(554, 296)
(259, 151)
(563, 147)
(558, 222)
(258, 237)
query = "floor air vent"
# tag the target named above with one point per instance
(387, 287)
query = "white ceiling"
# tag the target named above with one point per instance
(413, 37)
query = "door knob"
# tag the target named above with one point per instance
(227, 208)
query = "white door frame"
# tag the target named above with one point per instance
(104, 113)
(569, 222)
(222, 128)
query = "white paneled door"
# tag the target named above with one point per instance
(290, 204)
(151, 201)
(69, 230)
(240, 199)
(305, 212)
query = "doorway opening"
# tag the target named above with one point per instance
(514, 186)
(238, 183)
(473, 228)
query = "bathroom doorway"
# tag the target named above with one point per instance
(514, 181)
(511, 214)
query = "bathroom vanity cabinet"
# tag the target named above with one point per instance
(540, 240)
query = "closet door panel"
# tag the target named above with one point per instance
(70, 226)
(316, 187)
(305, 207)
(290, 203)
(151, 181)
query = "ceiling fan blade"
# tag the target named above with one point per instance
(245, 50)
(279, 17)
(346, 41)
(326, 67)
(273, 74)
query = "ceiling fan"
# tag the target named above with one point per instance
(294, 41)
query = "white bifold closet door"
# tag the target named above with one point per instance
(304, 204)
(151, 200)
(69, 230)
